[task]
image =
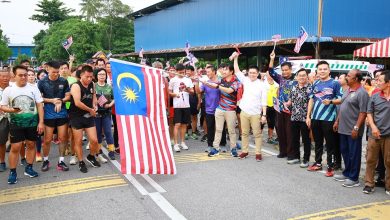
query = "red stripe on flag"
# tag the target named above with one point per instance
(139, 146)
(387, 47)
(121, 144)
(148, 149)
(131, 144)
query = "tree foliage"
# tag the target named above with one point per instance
(21, 57)
(91, 9)
(5, 52)
(51, 11)
(86, 40)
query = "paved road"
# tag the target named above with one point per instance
(204, 188)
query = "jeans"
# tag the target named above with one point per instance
(351, 150)
(298, 129)
(103, 124)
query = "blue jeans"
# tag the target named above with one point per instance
(103, 124)
(351, 150)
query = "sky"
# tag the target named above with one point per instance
(16, 25)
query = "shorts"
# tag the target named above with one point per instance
(20, 134)
(271, 117)
(4, 131)
(194, 110)
(53, 123)
(182, 116)
(82, 122)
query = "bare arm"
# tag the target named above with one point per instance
(237, 70)
(309, 110)
(41, 115)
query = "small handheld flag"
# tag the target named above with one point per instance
(276, 38)
(301, 39)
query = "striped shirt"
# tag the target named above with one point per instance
(228, 101)
(322, 90)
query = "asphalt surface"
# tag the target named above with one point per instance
(221, 188)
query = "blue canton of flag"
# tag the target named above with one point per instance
(129, 89)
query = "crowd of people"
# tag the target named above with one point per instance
(65, 103)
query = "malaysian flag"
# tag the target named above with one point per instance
(141, 53)
(102, 100)
(300, 40)
(187, 48)
(67, 43)
(141, 116)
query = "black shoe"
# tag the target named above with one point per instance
(379, 183)
(82, 167)
(45, 166)
(111, 155)
(368, 190)
(281, 156)
(204, 138)
(62, 166)
(92, 160)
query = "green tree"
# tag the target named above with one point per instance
(51, 11)
(21, 57)
(5, 52)
(91, 9)
(86, 40)
(117, 34)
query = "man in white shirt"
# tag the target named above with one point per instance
(179, 88)
(253, 106)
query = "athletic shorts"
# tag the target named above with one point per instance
(271, 117)
(53, 123)
(82, 122)
(193, 105)
(182, 115)
(19, 134)
(4, 131)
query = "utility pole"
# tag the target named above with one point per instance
(319, 28)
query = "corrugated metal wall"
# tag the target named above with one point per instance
(213, 22)
(356, 18)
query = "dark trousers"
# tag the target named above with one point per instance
(381, 167)
(321, 130)
(116, 143)
(299, 129)
(337, 152)
(210, 121)
(283, 130)
(351, 150)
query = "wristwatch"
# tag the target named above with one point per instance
(356, 128)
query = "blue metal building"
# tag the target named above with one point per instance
(18, 49)
(218, 24)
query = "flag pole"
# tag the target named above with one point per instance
(67, 51)
(319, 27)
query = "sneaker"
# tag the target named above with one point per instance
(12, 178)
(194, 136)
(73, 160)
(281, 156)
(293, 161)
(28, 171)
(350, 183)
(368, 190)
(101, 158)
(223, 149)
(329, 172)
(92, 160)
(62, 166)
(238, 146)
(117, 150)
(176, 148)
(234, 153)
(184, 146)
(315, 167)
(3, 167)
(213, 152)
(270, 141)
(87, 146)
(208, 149)
(259, 157)
(45, 166)
(38, 157)
(82, 167)
(204, 138)
(84, 138)
(388, 192)
(111, 155)
(243, 155)
(186, 136)
(340, 178)
(304, 164)
(379, 183)
(23, 162)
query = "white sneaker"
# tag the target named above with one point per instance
(87, 146)
(101, 158)
(184, 146)
(176, 148)
(73, 160)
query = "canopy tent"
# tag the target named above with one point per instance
(378, 49)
